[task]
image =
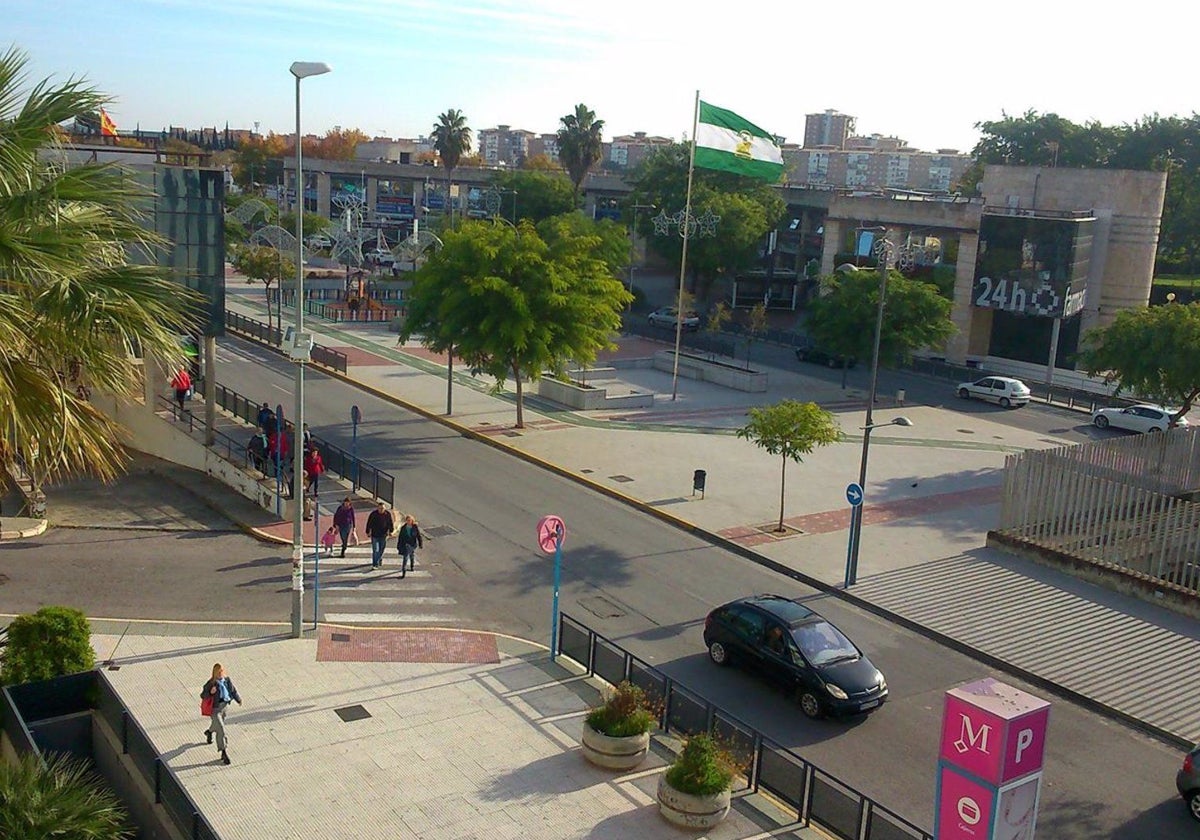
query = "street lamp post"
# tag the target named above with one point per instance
(298, 352)
(883, 251)
(632, 241)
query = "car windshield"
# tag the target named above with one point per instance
(822, 643)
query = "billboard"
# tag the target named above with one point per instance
(1032, 265)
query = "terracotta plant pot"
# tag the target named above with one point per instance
(623, 753)
(689, 811)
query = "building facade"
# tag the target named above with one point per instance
(830, 128)
(504, 145)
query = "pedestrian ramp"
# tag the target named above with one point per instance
(348, 591)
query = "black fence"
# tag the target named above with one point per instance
(1039, 391)
(266, 334)
(817, 797)
(361, 475)
(24, 707)
(702, 342)
(233, 451)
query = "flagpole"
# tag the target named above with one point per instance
(687, 229)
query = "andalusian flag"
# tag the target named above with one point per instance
(727, 142)
(108, 128)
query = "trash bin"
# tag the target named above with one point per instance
(698, 482)
(900, 396)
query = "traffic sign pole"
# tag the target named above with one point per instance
(550, 535)
(554, 608)
(854, 495)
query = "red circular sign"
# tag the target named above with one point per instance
(551, 531)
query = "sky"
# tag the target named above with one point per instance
(926, 70)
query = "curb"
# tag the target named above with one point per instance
(988, 659)
(37, 528)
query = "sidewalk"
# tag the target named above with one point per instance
(482, 744)
(932, 495)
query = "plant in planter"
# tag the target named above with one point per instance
(694, 792)
(616, 734)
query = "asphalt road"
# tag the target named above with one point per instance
(649, 586)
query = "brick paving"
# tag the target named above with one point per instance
(378, 644)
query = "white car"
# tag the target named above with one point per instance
(1137, 418)
(665, 317)
(319, 240)
(1002, 390)
(381, 256)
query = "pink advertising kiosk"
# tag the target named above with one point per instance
(990, 763)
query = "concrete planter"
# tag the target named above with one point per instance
(707, 370)
(689, 811)
(624, 753)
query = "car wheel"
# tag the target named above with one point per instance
(810, 704)
(1005, 402)
(1193, 803)
(963, 393)
(718, 653)
(831, 363)
(1101, 421)
(801, 356)
(1154, 429)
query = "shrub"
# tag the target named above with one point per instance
(62, 799)
(704, 768)
(52, 642)
(626, 711)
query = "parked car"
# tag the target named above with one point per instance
(666, 317)
(1187, 780)
(318, 240)
(1137, 418)
(1002, 390)
(808, 351)
(381, 256)
(793, 645)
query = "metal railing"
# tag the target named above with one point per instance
(817, 797)
(265, 334)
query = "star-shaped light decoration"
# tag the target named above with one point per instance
(491, 202)
(348, 236)
(685, 218)
(883, 250)
(708, 223)
(662, 223)
(417, 246)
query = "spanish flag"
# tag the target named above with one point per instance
(108, 128)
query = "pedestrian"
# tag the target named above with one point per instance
(380, 526)
(408, 542)
(314, 465)
(266, 419)
(220, 692)
(327, 540)
(307, 438)
(181, 382)
(343, 518)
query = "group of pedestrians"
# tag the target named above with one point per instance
(270, 450)
(381, 524)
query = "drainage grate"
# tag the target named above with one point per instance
(442, 531)
(348, 714)
(586, 472)
(620, 478)
(512, 434)
(339, 637)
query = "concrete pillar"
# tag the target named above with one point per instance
(829, 248)
(962, 313)
(210, 390)
(323, 194)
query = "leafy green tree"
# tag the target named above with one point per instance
(747, 208)
(52, 642)
(756, 326)
(718, 317)
(580, 143)
(72, 306)
(263, 264)
(539, 194)
(61, 799)
(512, 304)
(790, 429)
(842, 319)
(1151, 353)
(451, 140)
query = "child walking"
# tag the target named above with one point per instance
(328, 539)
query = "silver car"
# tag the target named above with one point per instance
(1187, 780)
(666, 317)
(1137, 418)
(1002, 390)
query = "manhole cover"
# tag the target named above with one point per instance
(352, 713)
(340, 637)
(601, 607)
(586, 472)
(442, 531)
(620, 478)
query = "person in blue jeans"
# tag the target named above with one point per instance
(408, 542)
(380, 526)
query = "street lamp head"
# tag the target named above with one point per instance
(304, 69)
(902, 421)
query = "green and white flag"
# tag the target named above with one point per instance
(727, 142)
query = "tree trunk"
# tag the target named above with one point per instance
(520, 398)
(267, 292)
(782, 478)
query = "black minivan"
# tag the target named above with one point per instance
(795, 646)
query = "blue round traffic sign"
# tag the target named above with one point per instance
(854, 494)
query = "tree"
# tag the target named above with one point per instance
(52, 642)
(790, 429)
(540, 195)
(338, 144)
(266, 265)
(257, 156)
(756, 325)
(63, 798)
(72, 307)
(747, 208)
(842, 319)
(718, 317)
(580, 143)
(451, 139)
(511, 303)
(1151, 353)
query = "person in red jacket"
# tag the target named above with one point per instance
(182, 383)
(314, 465)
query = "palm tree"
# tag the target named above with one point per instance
(73, 310)
(61, 799)
(451, 140)
(579, 143)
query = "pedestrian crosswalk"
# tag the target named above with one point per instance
(348, 591)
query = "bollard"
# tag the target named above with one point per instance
(900, 397)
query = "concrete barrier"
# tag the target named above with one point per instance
(590, 398)
(718, 373)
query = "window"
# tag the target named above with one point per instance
(747, 623)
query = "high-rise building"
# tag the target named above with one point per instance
(828, 129)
